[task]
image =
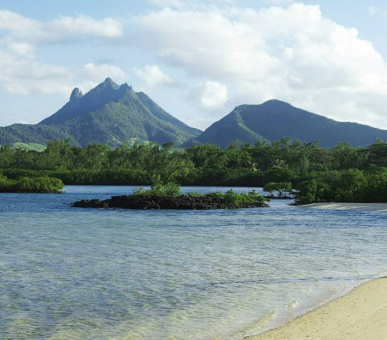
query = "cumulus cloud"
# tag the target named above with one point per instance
(25, 33)
(84, 26)
(209, 95)
(99, 72)
(12, 21)
(21, 48)
(19, 75)
(21, 72)
(152, 76)
(24, 76)
(292, 53)
(204, 42)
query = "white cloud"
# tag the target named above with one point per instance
(292, 53)
(209, 95)
(84, 26)
(204, 42)
(25, 76)
(27, 33)
(21, 72)
(20, 48)
(20, 75)
(99, 72)
(152, 76)
(12, 21)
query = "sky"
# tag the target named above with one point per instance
(197, 59)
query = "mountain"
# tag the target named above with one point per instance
(115, 114)
(275, 119)
(108, 114)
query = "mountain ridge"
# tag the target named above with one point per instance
(109, 114)
(275, 119)
(114, 114)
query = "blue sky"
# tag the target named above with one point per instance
(197, 59)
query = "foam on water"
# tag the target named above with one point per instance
(70, 273)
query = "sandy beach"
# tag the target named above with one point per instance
(359, 315)
(379, 207)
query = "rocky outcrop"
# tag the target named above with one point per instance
(187, 202)
(76, 94)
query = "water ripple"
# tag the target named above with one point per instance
(81, 274)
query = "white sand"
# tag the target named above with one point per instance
(380, 207)
(359, 315)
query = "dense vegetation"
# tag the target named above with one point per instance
(229, 198)
(341, 173)
(31, 184)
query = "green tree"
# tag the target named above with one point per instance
(281, 187)
(5, 156)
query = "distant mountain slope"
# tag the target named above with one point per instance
(161, 114)
(24, 133)
(275, 119)
(108, 114)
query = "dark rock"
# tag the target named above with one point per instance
(145, 202)
(91, 204)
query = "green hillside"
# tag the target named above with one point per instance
(31, 134)
(275, 119)
(28, 146)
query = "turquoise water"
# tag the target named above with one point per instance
(71, 273)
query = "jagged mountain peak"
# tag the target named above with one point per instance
(79, 104)
(113, 114)
(125, 86)
(107, 84)
(109, 81)
(76, 94)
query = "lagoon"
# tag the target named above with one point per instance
(71, 273)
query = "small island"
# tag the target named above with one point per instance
(42, 184)
(169, 197)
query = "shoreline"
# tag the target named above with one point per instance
(378, 207)
(360, 314)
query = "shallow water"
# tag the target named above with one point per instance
(71, 273)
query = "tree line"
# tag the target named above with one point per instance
(340, 173)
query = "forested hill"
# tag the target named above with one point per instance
(275, 119)
(108, 114)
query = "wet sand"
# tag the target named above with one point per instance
(379, 207)
(359, 315)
